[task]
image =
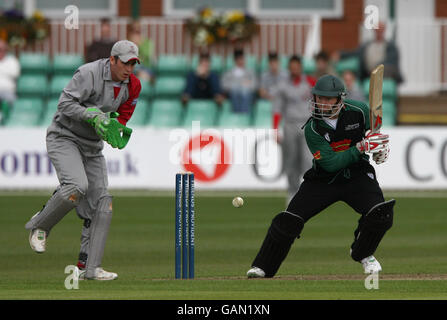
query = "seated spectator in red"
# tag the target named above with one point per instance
(202, 83)
(100, 48)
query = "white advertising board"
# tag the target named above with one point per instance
(220, 159)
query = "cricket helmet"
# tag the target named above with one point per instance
(327, 86)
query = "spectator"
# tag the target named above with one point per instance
(271, 77)
(353, 90)
(323, 65)
(202, 83)
(291, 103)
(143, 71)
(100, 48)
(9, 72)
(240, 84)
(375, 52)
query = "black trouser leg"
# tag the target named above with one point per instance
(366, 197)
(287, 225)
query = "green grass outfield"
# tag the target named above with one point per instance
(140, 249)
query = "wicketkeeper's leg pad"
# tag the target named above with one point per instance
(63, 200)
(99, 230)
(371, 229)
(85, 238)
(283, 231)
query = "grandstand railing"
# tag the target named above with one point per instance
(422, 44)
(287, 36)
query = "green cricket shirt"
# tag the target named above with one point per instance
(334, 150)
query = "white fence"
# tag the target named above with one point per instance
(287, 36)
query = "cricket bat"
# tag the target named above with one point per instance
(375, 98)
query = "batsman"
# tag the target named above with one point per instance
(339, 137)
(94, 107)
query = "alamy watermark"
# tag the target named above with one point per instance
(72, 280)
(72, 19)
(372, 281)
(226, 146)
(371, 17)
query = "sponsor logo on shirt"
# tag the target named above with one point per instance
(317, 155)
(327, 137)
(352, 126)
(134, 102)
(370, 175)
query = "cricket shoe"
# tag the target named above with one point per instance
(100, 274)
(255, 272)
(371, 265)
(37, 240)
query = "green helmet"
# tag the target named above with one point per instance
(329, 86)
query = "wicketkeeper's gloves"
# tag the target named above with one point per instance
(107, 127)
(98, 120)
(118, 135)
(373, 143)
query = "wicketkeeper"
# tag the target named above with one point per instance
(337, 136)
(94, 107)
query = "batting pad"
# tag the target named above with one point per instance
(372, 228)
(99, 230)
(283, 231)
(65, 199)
